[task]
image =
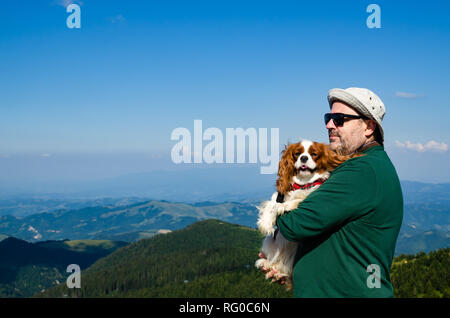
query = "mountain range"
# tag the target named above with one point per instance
(136, 220)
(20, 207)
(426, 223)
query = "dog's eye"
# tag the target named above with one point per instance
(297, 154)
(313, 154)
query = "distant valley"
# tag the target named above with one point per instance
(20, 207)
(118, 222)
(426, 223)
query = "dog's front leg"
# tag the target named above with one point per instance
(268, 212)
(291, 205)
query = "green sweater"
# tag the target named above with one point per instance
(350, 222)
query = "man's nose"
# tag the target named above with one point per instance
(303, 159)
(330, 124)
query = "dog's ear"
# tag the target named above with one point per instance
(286, 169)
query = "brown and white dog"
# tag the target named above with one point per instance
(304, 166)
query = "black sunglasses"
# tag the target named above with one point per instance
(339, 118)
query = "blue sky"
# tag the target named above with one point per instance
(114, 90)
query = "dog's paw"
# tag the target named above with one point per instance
(291, 205)
(280, 208)
(279, 276)
(266, 224)
(262, 262)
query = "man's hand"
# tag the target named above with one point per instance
(272, 273)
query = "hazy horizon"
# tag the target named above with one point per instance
(101, 101)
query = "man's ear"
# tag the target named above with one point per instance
(370, 129)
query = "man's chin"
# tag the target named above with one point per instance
(338, 147)
(334, 144)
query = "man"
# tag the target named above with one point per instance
(348, 227)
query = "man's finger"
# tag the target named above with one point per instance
(272, 273)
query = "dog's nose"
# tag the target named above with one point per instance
(303, 159)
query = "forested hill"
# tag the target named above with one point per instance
(422, 275)
(206, 259)
(27, 268)
(216, 259)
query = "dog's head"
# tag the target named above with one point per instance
(307, 161)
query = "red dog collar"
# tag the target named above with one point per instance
(296, 186)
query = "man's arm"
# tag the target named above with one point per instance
(349, 193)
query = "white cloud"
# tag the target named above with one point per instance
(408, 95)
(429, 146)
(45, 155)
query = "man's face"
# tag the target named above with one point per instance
(350, 136)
